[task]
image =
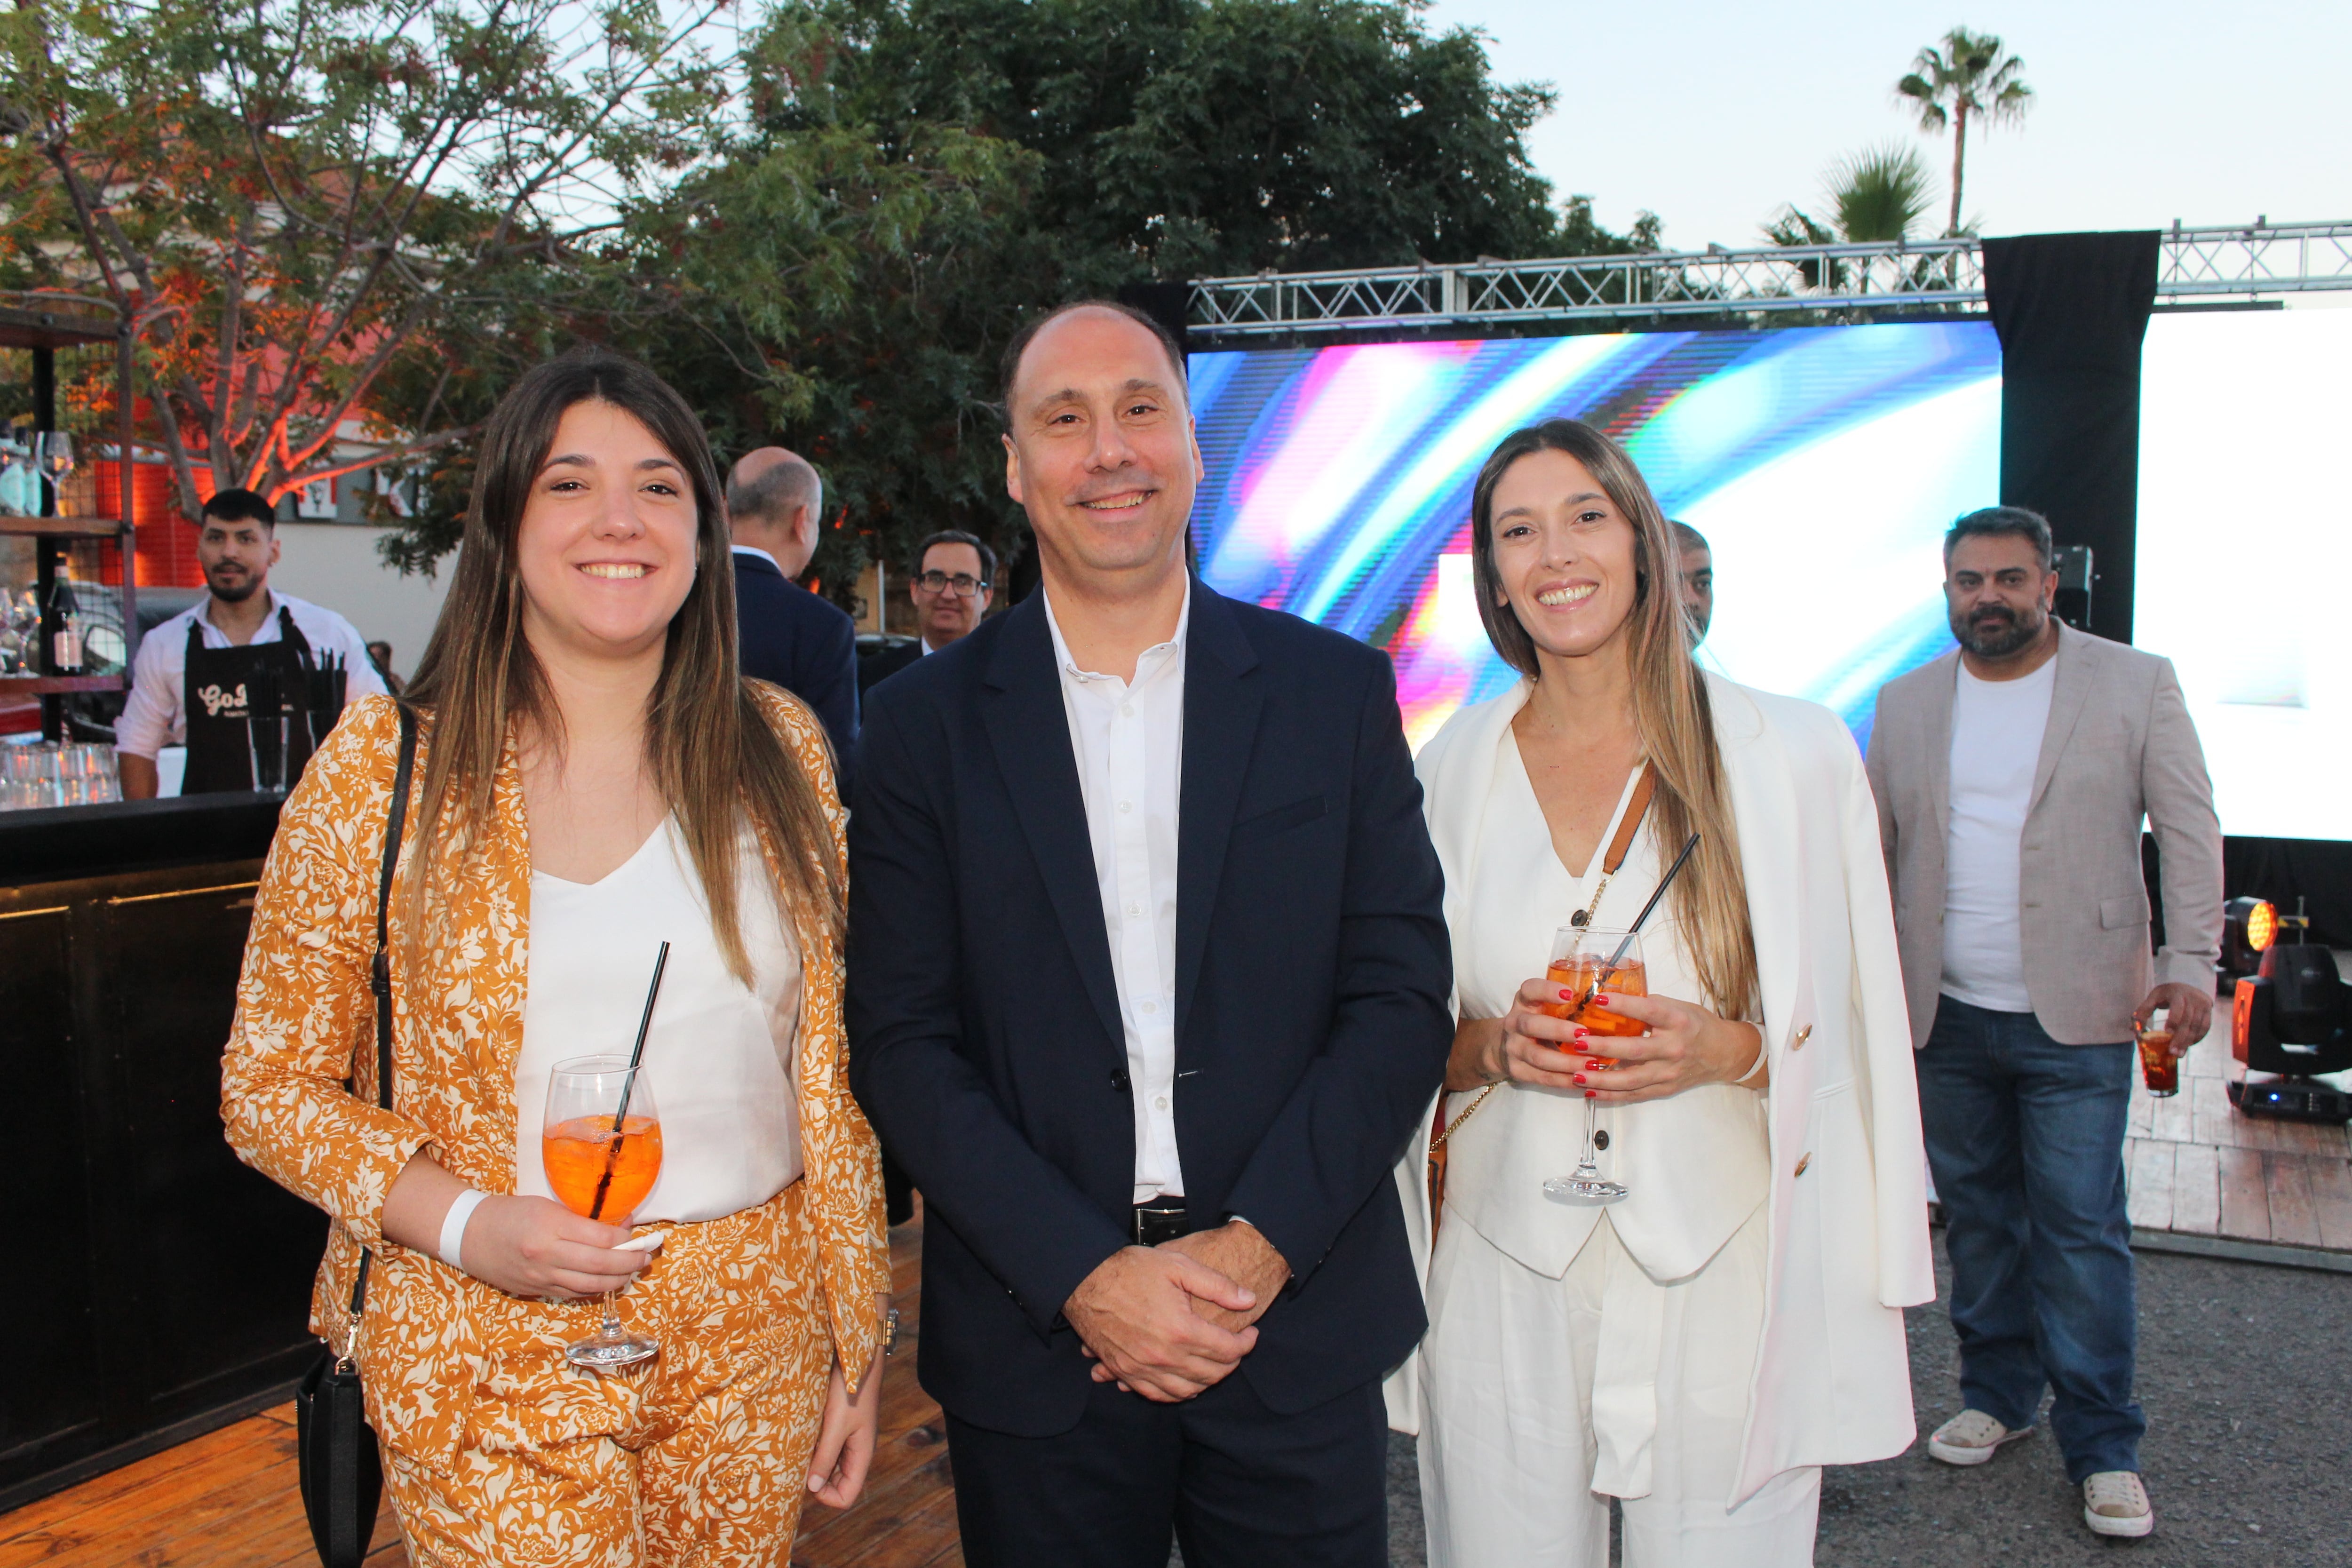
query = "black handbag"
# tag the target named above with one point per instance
(342, 1474)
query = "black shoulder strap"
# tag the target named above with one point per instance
(380, 971)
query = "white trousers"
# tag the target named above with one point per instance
(1543, 1398)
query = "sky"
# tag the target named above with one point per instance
(1712, 114)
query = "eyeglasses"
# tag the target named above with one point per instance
(963, 584)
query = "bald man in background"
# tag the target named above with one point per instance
(787, 634)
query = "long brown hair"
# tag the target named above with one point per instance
(710, 749)
(1672, 715)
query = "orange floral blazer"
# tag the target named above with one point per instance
(305, 1026)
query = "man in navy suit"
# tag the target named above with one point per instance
(787, 634)
(1149, 988)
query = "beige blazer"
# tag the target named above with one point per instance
(1847, 1205)
(2119, 746)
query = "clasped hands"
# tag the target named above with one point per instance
(1685, 1046)
(1167, 1321)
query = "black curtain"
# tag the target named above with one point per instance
(2071, 310)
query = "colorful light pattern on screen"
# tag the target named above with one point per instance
(1822, 464)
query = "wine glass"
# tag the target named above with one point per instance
(53, 456)
(1582, 964)
(603, 1147)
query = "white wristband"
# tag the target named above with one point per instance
(1763, 1049)
(453, 1227)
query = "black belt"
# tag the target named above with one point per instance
(1160, 1219)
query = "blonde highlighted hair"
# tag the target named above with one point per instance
(1672, 715)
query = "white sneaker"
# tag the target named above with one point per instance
(2114, 1503)
(1970, 1437)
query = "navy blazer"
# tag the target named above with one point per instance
(1313, 986)
(789, 636)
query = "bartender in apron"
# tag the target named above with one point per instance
(244, 653)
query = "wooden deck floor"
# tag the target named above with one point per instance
(2197, 1165)
(229, 1499)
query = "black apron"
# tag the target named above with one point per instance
(220, 691)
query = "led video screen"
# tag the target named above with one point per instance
(1822, 464)
(2245, 532)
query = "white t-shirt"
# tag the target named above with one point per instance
(157, 713)
(720, 1056)
(1996, 727)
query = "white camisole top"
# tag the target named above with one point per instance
(719, 1054)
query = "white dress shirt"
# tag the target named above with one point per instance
(1128, 740)
(1996, 728)
(157, 713)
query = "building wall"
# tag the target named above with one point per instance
(336, 564)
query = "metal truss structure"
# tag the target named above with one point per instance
(1927, 276)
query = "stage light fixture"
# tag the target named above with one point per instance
(2295, 1019)
(2248, 927)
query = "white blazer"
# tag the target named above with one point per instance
(1847, 1215)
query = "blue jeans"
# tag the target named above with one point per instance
(2025, 1137)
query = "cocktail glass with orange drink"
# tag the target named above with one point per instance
(1585, 959)
(602, 1148)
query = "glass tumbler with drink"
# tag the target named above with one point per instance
(2159, 1068)
(1582, 964)
(603, 1150)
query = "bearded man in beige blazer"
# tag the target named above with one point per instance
(2011, 776)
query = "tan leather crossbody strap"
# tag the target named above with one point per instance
(1635, 810)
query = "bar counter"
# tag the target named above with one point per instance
(160, 1288)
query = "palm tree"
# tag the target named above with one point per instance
(1972, 74)
(1879, 194)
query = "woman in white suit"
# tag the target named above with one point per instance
(1702, 1347)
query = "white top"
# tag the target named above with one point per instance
(156, 714)
(719, 1055)
(1996, 728)
(1128, 740)
(1696, 1162)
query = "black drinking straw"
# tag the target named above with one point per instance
(629, 1084)
(1630, 932)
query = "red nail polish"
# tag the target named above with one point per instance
(1579, 1078)
(1593, 1067)
(1591, 1095)
(1601, 1001)
(1567, 996)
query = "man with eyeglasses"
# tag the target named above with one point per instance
(953, 581)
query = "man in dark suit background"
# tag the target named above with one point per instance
(787, 634)
(953, 581)
(1149, 988)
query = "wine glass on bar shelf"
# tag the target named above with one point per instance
(1582, 964)
(603, 1149)
(54, 457)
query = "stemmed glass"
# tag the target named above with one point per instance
(53, 456)
(1581, 966)
(603, 1149)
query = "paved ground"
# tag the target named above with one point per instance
(2246, 1374)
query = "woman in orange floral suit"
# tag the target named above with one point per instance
(593, 778)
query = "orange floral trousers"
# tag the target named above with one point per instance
(698, 1459)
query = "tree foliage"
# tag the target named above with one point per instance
(304, 204)
(1970, 75)
(916, 176)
